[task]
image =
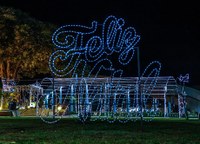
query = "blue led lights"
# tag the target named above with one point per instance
(78, 47)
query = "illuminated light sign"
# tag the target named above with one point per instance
(79, 47)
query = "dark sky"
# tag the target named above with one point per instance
(169, 30)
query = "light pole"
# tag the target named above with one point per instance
(111, 85)
(53, 93)
(139, 88)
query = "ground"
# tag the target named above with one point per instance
(158, 131)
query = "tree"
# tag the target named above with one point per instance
(25, 45)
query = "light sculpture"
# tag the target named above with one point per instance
(182, 94)
(79, 47)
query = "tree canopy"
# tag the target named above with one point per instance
(25, 45)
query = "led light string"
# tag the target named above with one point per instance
(78, 51)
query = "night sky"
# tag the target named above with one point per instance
(169, 30)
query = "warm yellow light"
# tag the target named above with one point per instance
(59, 108)
(0, 108)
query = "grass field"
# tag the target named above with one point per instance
(159, 131)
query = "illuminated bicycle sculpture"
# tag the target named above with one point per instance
(85, 54)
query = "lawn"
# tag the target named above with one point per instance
(158, 131)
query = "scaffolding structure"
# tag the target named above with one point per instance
(26, 95)
(101, 97)
(107, 96)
